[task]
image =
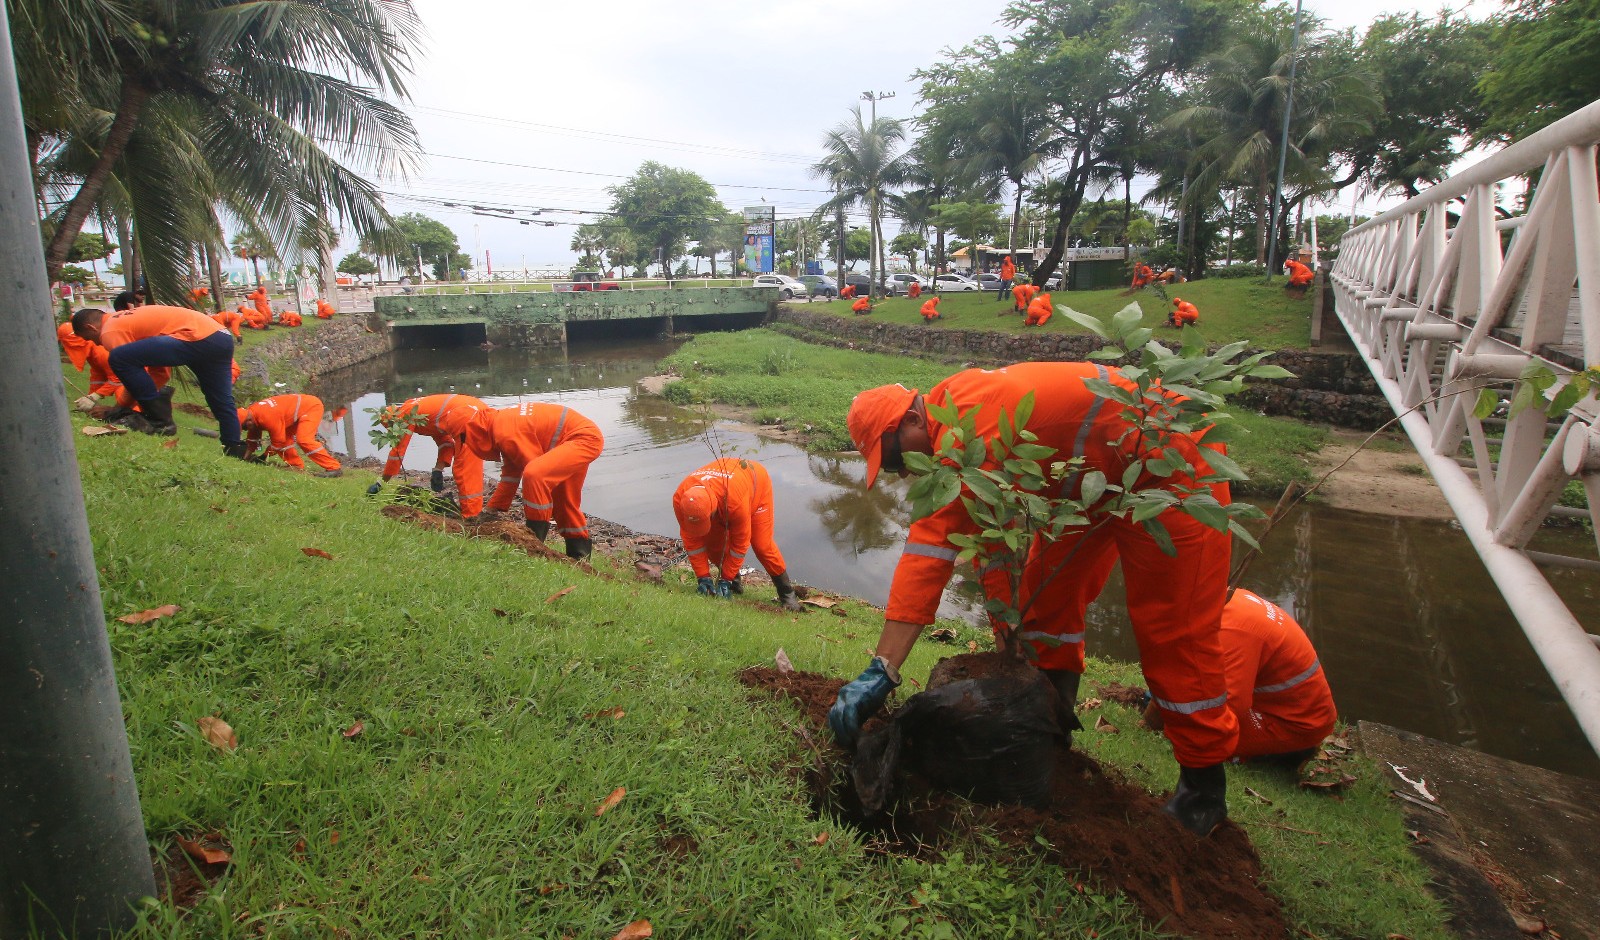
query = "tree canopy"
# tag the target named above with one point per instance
(663, 208)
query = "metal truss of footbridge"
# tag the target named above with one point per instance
(1444, 298)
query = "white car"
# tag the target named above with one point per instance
(896, 284)
(988, 280)
(788, 287)
(955, 282)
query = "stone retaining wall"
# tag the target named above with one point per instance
(296, 355)
(1334, 388)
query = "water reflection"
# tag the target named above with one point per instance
(1409, 627)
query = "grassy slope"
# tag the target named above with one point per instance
(781, 378)
(466, 807)
(1230, 309)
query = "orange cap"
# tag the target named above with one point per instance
(1176, 301)
(244, 415)
(874, 413)
(694, 507)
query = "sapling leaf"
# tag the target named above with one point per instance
(1092, 487)
(1568, 396)
(1488, 401)
(1269, 372)
(1106, 353)
(1116, 393)
(1244, 535)
(1163, 539)
(1222, 465)
(1124, 321)
(1025, 411)
(1092, 324)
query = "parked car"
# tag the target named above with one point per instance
(955, 282)
(897, 284)
(588, 280)
(1053, 282)
(988, 280)
(788, 287)
(860, 282)
(820, 285)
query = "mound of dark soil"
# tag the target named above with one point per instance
(1112, 833)
(513, 533)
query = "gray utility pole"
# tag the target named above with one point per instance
(73, 855)
(1283, 148)
(875, 259)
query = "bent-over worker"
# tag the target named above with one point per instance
(1175, 603)
(1183, 313)
(290, 421)
(1039, 310)
(546, 450)
(1299, 274)
(443, 418)
(724, 510)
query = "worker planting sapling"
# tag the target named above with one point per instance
(443, 418)
(290, 422)
(545, 450)
(724, 510)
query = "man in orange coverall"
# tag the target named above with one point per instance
(1299, 275)
(1008, 275)
(547, 450)
(1142, 275)
(443, 418)
(847, 292)
(1183, 313)
(1276, 686)
(930, 310)
(724, 509)
(289, 318)
(1022, 295)
(1039, 310)
(263, 305)
(325, 310)
(861, 307)
(231, 320)
(167, 336)
(290, 421)
(1175, 603)
(915, 290)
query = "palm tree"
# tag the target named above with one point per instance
(861, 165)
(251, 243)
(261, 102)
(1010, 136)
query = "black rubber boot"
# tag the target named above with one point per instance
(579, 549)
(1201, 801)
(540, 530)
(158, 416)
(786, 593)
(233, 450)
(1066, 686)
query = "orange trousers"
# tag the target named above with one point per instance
(303, 434)
(552, 483)
(1175, 604)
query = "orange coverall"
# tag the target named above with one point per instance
(289, 318)
(1299, 274)
(1039, 310)
(930, 309)
(1008, 269)
(1184, 313)
(289, 420)
(862, 305)
(915, 290)
(81, 352)
(546, 449)
(447, 418)
(1174, 603)
(1142, 275)
(741, 491)
(251, 317)
(263, 305)
(846, 292)
(199, 295)
(1022, 295)
(1276, 685)
(325, 310)
(231, 319)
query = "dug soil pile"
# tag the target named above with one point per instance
(1112, 833)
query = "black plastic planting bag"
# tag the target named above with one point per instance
(990, 739)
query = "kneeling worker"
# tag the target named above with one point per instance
(443, 418)
(290, 421)
(168, 336)
(1276, 686)
(546, 450)
(724, 509)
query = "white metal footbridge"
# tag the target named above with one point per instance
(1444, 298)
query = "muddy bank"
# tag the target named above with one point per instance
(1385, 480)
(1105, 830)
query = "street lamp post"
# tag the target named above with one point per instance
(1283, 148)
(875, 260)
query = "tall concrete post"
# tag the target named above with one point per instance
(73, 855)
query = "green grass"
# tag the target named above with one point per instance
(1230, 310)
(467, 805)
(783, 378)
(495, 287)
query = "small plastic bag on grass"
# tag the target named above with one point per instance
(990, 738)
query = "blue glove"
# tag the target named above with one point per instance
(725, 590)
(861, 699)
(706, 586)
(375, 489)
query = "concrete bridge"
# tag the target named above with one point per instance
(548, 318)
(1451, 305)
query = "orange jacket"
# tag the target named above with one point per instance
(1186, 313)
(446, 418)
(253, 318)
(1066, 416)
(741, 492)
(230, 319)
(1298, 273)
(325, 310)
(915, 290)
(862, 305)
(930, 308)
(259, 298)
(279, 415)
(76, 347)
(289, 318)
(517, 436)
(1142, 275)
(846, 292)
(1039, 310)
(147, 321)
(1008, 269)
(1272, 667)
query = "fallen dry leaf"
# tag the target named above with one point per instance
(171, 445)
(499, 613)
(333, 837)
(972, 646)
(1100, 724)
(818, 601)
(1251, 793)
(637, 930)
(154, 613)
(355, 729)
(615, 714)
(198, 850)
(782, 659)
(95, 430)
(1089, 703)
(914, 683)
(1177, 893)
(821, 839)
(551, 889)
(219, 509)
(299, 850)
(317, 553)
(612, 800)
(216, 731)
(561, 593)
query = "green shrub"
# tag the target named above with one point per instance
(1250, 269)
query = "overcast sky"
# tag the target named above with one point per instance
(542, 105)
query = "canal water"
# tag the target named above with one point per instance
(1409, 627)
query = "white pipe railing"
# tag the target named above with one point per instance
(1442, 308)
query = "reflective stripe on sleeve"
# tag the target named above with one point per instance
(1281, 686)
(1189, 708)
(943, 553)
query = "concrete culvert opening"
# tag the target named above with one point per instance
(1111, 833)
(639, 328)
(439, 335)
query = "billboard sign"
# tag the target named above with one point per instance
(760, 231)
